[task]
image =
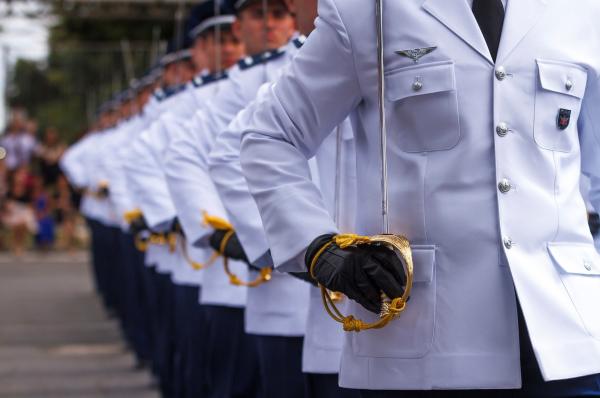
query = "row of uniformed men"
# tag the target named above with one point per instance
(488, 135)
(162, 175)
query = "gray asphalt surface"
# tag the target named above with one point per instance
(55, 339)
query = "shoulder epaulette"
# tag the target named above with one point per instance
(162, 94)
(260, 59)
(203, 80)
(299, 41)
(159, 94)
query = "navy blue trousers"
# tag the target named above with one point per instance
(135, 312)
(186, 302)
(280, 366)
(533, 385)
(196, 355)
(105, 262)
(165, 342)
(126, 291)
(111, 257)
(97, 260)
(231, 355)
(152, 319)
(326, 386)
(105, 259)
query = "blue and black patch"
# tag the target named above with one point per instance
(299, 41)
(203, 80)
(162, 93)
(260, 59)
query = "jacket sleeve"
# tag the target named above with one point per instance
(226, 172)
(70, 163)
(147, 180)
(188, 180)
(589, 137)
(286, 128)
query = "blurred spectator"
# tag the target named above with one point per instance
(49, 152)
(65, 214)
(17, 213)
(44, 238)
(18, 142)
(41, 205)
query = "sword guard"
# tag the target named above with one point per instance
(390, 308)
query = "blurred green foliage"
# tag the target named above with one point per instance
(85, 67)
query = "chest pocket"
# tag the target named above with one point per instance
(423, 114)
(561, 87)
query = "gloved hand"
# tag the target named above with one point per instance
(359, 272)
(176, 227)
(138, 225)
(103, 192)
(233, 249)
(594, 223)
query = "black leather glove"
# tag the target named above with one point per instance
(176, 227)
(304, 276)
(594, 223)
(103, 192)
(138, 226)
(360, 272)
(233, 248)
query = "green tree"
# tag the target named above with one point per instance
(84, 68)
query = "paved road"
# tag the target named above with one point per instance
(55, 339)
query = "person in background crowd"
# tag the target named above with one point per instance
(42, 204)
(49, 152)
(18, 142)
(17, 213)
(64, 213)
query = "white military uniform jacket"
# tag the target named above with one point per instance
(115, 172)
(336, 171)
(279, 307)
(193, 194)
(149, 177)
(482, 181)
(77, 164)
(144, 182)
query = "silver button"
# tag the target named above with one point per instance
(508, 243)
(501, 73)
(502, 129)
(417, 85)
(587, 265)
(569, 85)
(504, 185)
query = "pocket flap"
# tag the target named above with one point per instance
(564, 78)
(431, 78)
(575, 258)
(423, 263)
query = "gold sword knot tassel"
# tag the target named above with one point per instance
(265, 273)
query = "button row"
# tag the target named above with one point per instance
(502, 129)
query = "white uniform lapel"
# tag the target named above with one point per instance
(458, 17)
(521, 17)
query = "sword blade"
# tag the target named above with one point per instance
(382, 118)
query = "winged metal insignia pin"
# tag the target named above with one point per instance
(417, 53)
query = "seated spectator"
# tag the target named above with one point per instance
(49, 152)
(44, 238)
(17, 213)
